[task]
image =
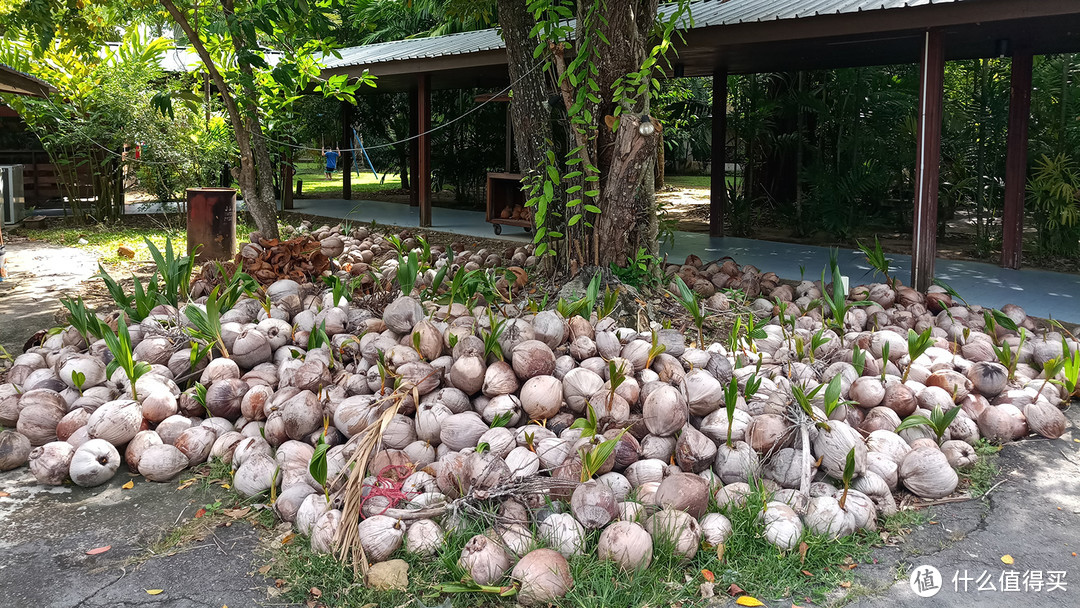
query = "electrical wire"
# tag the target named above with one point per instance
(418, 135)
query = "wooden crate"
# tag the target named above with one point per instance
(504, 192)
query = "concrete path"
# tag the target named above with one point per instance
(46, 531)
(1041, 293)
(1033, 516)
(38, 275)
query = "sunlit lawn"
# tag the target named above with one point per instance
(317, 186)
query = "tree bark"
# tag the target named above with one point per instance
(252, 159)
(625, 158)
(529, 109)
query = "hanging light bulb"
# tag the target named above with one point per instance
(646, 127)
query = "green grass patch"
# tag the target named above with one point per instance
(105, 239)
(749, 561)
(696, 182)
(317, 186)
(980, 478)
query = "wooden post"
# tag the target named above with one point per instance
(287, 175)
(423, 176)
(927, 160)
(1012, 223)
(345, 161)
(718, 177)
(414, 152)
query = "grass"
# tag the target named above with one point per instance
(105, 239)
(749, 561)
(980, 478)
(695, 182)
(317, 186)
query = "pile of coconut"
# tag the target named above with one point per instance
(403, 424)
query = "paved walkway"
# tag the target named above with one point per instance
(1041, 293)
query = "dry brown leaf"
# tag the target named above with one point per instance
(200, 513)
(288, 538)
(807, 573)
(846, 584)
(237, 513)
(263, 570)
(4, 494)
(734, 590)
(803, 548)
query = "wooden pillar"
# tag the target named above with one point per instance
(345, 162)
(927, 160)
(718, 177)
(1012, 224)
(288, 173)
(414, 151)
(423, 125)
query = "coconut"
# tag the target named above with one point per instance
(14, 450)
(927, 473)
(676, 529)
(532, 358)
(961, 455)
(460, 431)
(324, 531)
(195, 443)
(996, 425)
(1045, 419)
(627, 544)
(484, 560)
(988, 378)
(541, 397)
(867, 392)
(824, 516)
(116, 422)
(593, 505)
(544, 576)
(563, 533)
(665, 411)
(51, 462)
(424, 537)
(161, 462)
(311, 509)
(42, 410)
(579, 385)
(736, 463)
(900, 399)
(783, 528)
(94, 463)
(715, 529)
(684, 492)
(832, 446)
(256, 475)
(768, 432)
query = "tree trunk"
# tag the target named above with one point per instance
(625, 157)
(261, 207)
(529, 110)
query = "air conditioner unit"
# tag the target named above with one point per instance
(14, 201)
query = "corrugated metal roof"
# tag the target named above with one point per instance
(705, 13)
(420, 48)
(21, 81)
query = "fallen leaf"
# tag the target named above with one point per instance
(288, 538)
(279, 582)
(803, 548)
(706, 590)
(1008, 559)
(99, 550)
(264, 569)
(226, 486)
(846, 584)
(237, 513)
(154, 591)
(129, 485)
(734, 590)
(185, 485)
(720, 552)
(4, 494)
(315, 592)
(807, 573)
(746, 600)
(709, 576)
(200, 513)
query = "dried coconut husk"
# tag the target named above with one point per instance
(1045, 419)
(927, 474)
(832, 446)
